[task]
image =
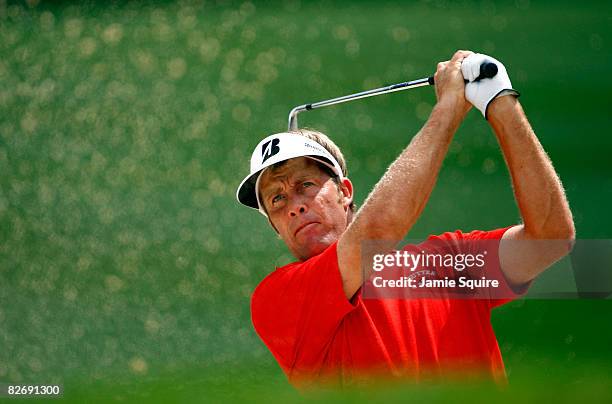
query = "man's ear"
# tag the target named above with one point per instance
(346, 187)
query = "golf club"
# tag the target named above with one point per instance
(487, 70)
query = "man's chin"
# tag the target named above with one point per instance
(313, 249)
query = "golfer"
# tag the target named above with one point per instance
(312, 314)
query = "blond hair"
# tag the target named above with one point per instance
(325, 141)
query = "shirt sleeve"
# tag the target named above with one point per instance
(297, 309)
(506, 292)
(478, 241)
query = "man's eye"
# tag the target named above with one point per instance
(307, 184)
(277, 198)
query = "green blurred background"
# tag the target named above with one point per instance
(126, 266)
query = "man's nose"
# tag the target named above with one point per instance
(297, 206)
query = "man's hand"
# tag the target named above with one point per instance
(481, 93)
(450, 87)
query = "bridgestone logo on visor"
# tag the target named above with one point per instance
(269, 149)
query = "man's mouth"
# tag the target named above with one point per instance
(303, 226)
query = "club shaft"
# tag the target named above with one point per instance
(351, 97)
(488, 69)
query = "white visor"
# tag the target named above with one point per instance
(274, 149)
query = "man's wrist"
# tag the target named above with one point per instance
(448, 112)
(501, 106)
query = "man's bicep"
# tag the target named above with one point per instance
(522, 257)
(349, 262)
(356, 247)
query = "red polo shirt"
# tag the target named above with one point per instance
(317, 335)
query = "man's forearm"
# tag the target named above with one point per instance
(399, 197)
(537, 188)
(397, 200)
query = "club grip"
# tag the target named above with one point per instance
(488, 70)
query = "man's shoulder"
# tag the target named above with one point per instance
(273, 282)
(271, 278)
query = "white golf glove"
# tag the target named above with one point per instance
(481, 93)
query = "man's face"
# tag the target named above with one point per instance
(305, 205)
